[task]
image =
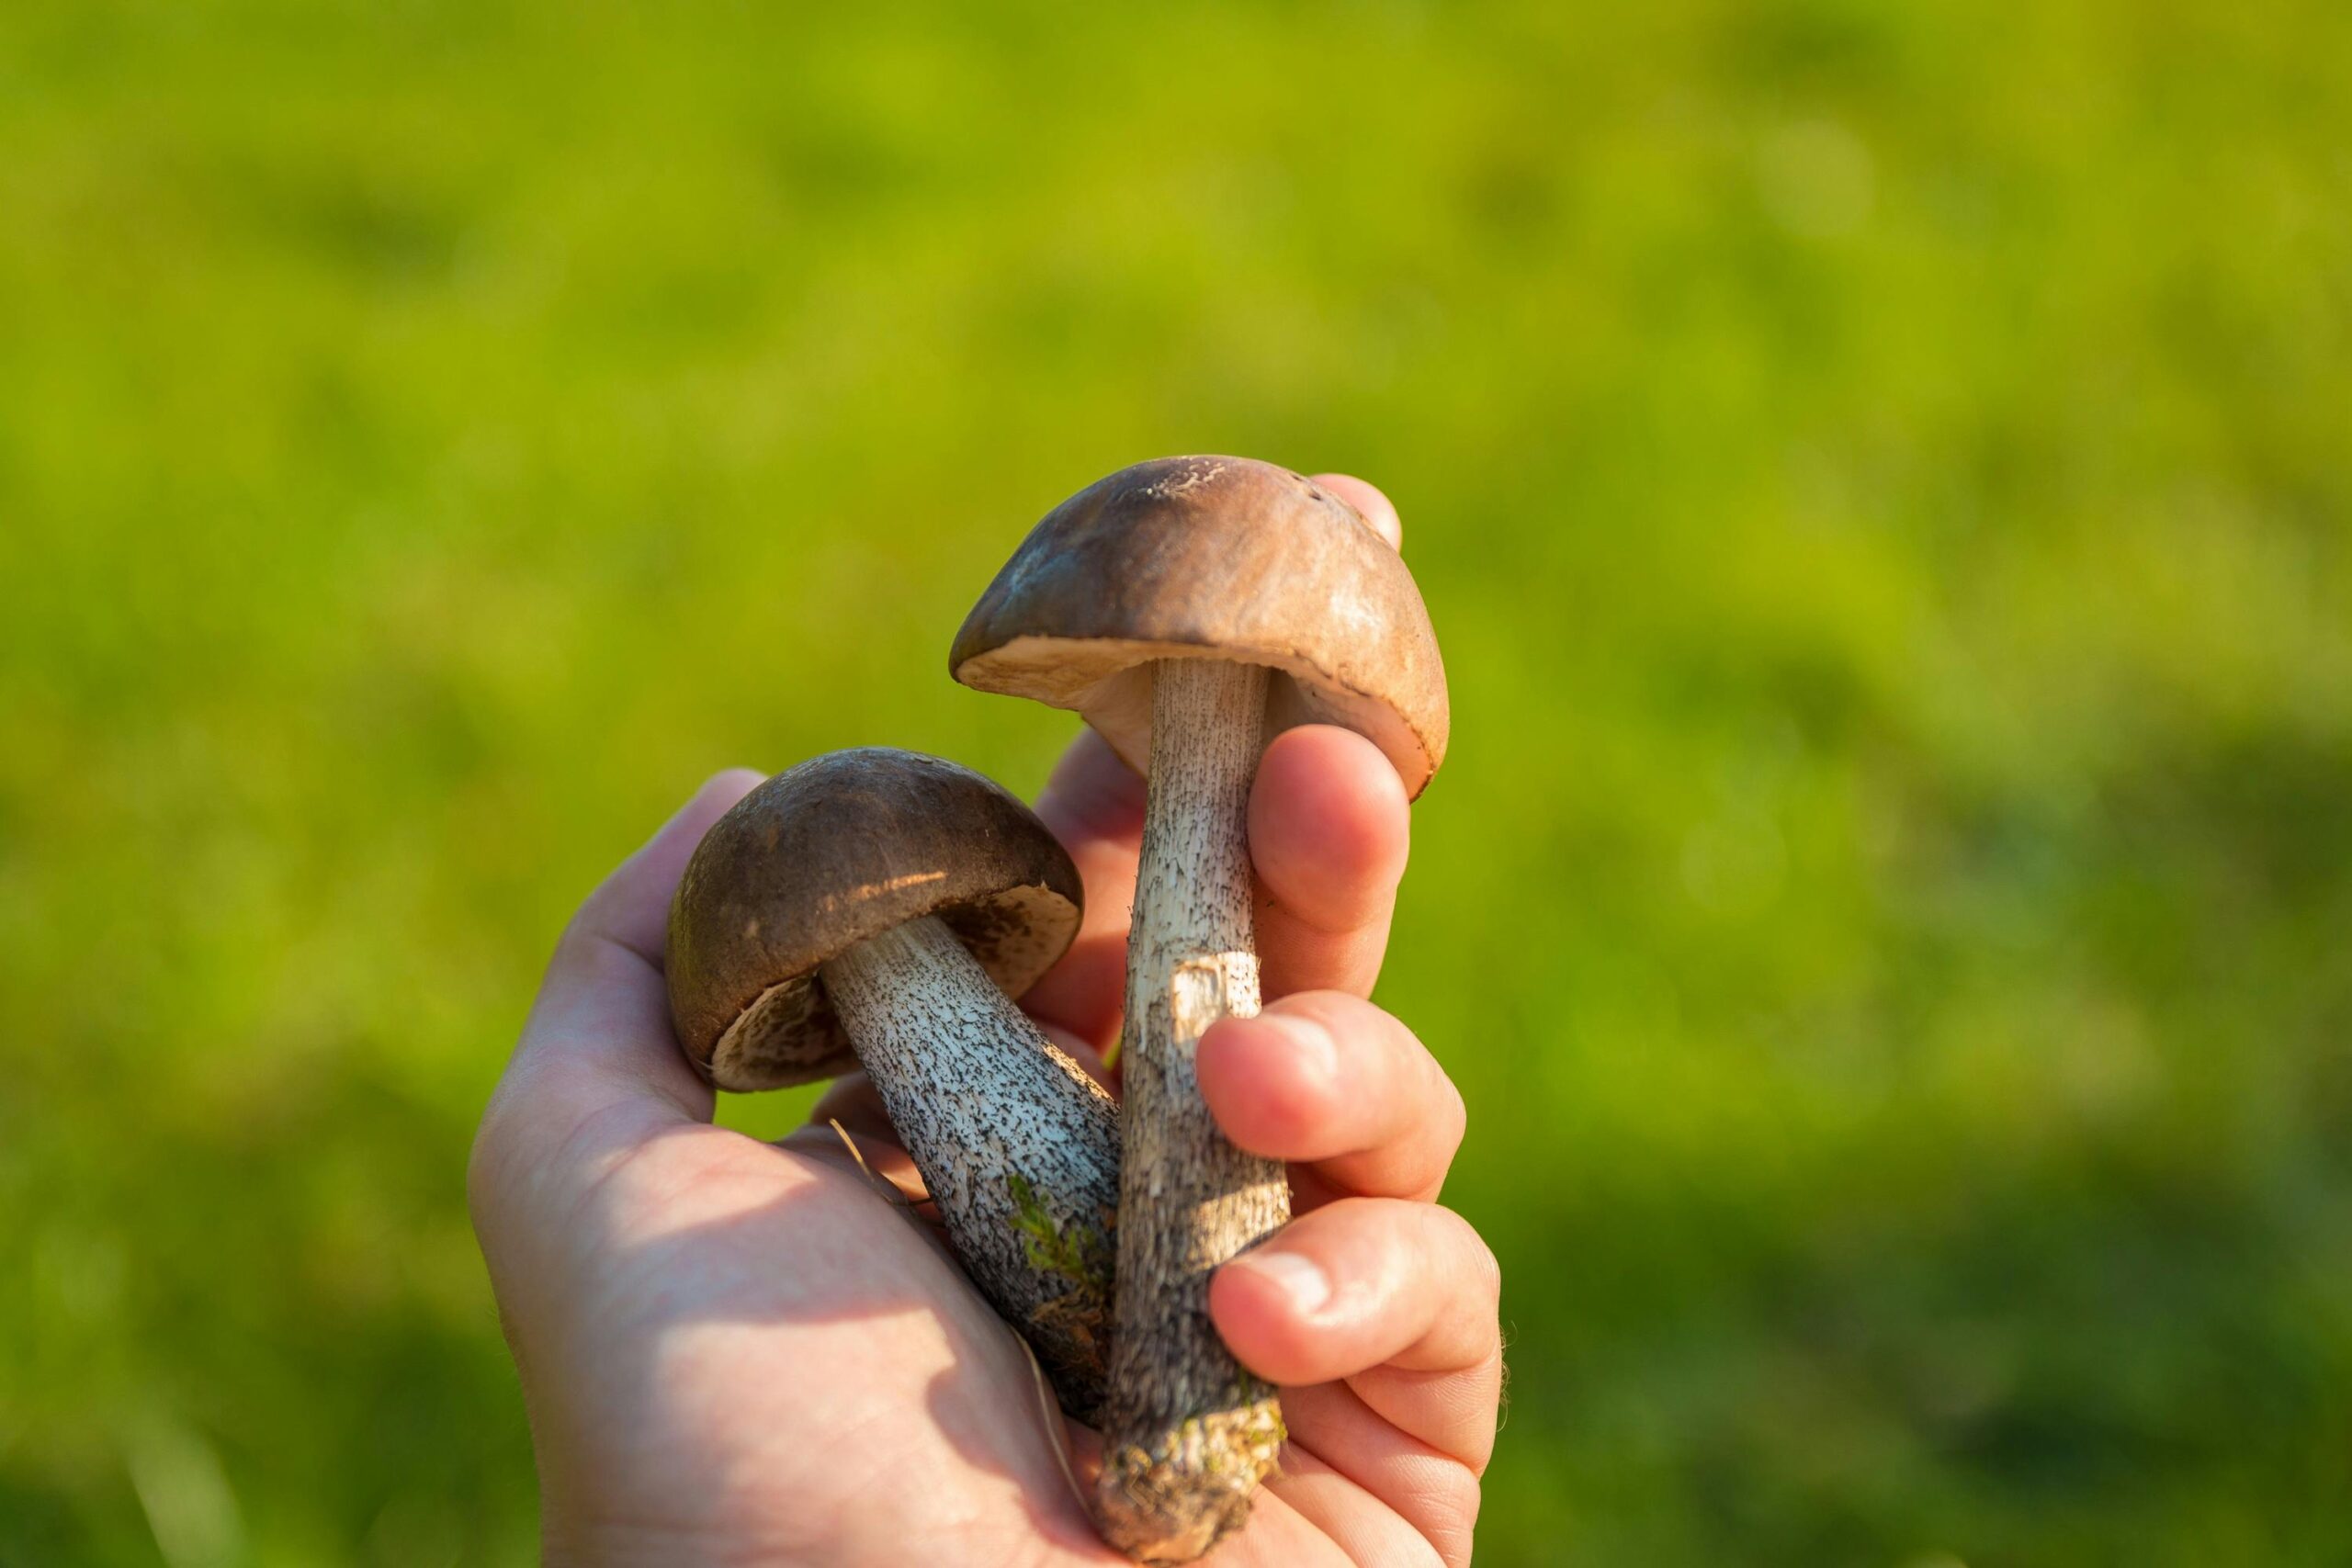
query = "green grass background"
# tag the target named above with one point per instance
(1879, 472)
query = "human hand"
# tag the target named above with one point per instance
(737, 1352)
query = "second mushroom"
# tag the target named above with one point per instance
(881, 909)
(1188, 608)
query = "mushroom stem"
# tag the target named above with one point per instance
(1188, 1434)
(1018, 1146)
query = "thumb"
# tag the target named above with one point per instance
(599, 1038)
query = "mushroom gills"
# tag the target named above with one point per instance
(1017, 1145)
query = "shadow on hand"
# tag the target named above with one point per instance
(700, 1226)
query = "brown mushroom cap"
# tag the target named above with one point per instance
(826, 854)
(1213, 558)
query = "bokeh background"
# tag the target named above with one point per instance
(1879, 471)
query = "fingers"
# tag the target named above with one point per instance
(1418, 1485)
(1366, 1523)
(1329, 1080)
(1330, 830)
(1398, 1298)
(1454, 1412)
(1360, 1283)
(599, 1034)
(1328, 835)
(1094, 806)
(1377, 509)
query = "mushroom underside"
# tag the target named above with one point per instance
(789, 1034)
(1109, 680)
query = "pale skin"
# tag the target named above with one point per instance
(737, 1353)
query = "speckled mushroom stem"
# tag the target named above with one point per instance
(1019, 1147)
(1188, 1434)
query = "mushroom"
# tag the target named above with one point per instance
(1189, 608)
(882, 909)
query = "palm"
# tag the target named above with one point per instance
(720, 1416)
(737, 1397)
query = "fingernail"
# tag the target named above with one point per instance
(1300, 1279)
(1309, 1042)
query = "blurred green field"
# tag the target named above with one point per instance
(1880, 472)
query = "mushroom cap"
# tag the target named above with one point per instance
(823, 856)
(1213, 558)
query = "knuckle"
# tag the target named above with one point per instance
(1335, 1011)
(1453, 1121)
(506, 1143)
(486, 1162)
(1439, 1498)
(1485, 1270)
(1482, 1410)
(1456, 1517)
